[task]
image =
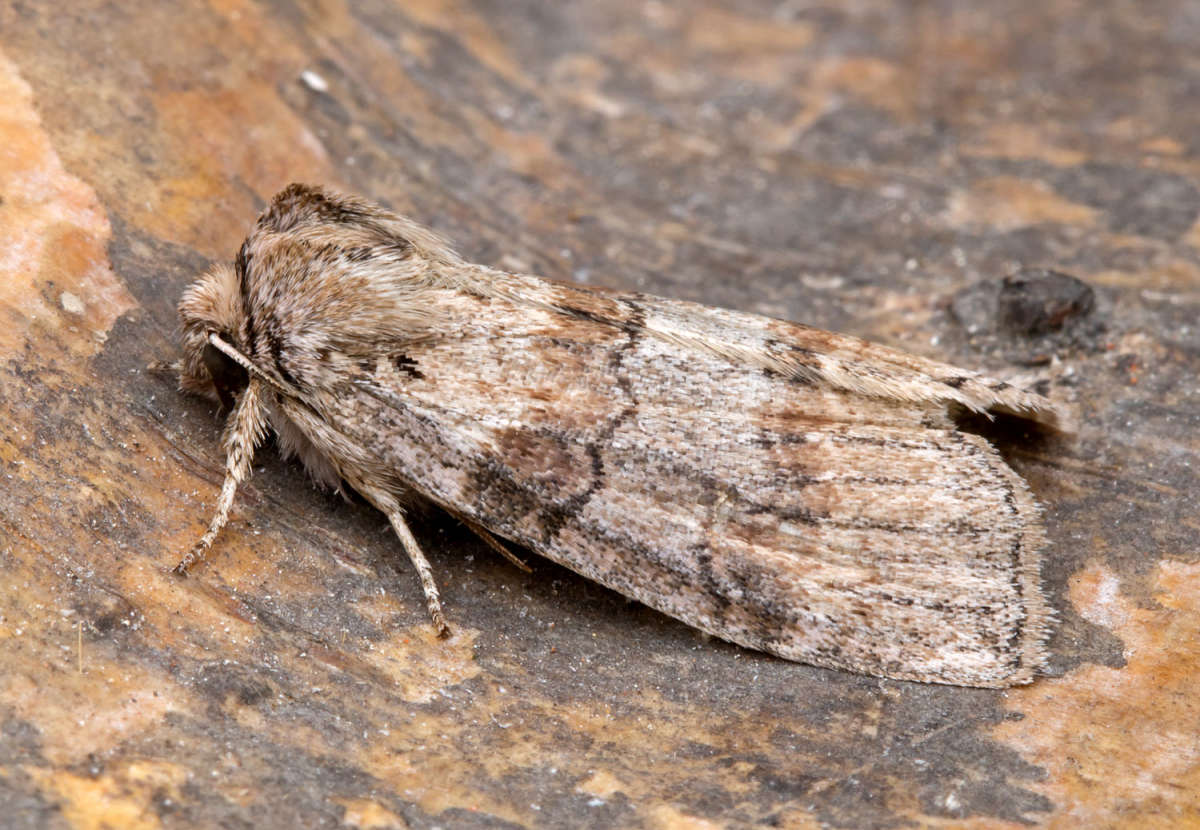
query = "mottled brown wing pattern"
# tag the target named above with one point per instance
(785, 488)
(750, 477)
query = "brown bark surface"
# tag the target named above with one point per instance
(875, 168)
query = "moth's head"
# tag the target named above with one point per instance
(212, 305)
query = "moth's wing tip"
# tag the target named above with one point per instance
(1061, 421)
(1038, 410)
(997, 397)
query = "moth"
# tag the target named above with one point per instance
(788, 489)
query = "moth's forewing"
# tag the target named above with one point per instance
(848, 530)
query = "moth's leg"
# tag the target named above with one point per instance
(495, 544)
(424, 571)
(245, 430)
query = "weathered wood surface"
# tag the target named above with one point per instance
(854, 166)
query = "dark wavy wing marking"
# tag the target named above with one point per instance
(819, 525)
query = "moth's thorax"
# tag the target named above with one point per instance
(301, 289)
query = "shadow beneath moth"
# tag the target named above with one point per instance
(788, 489)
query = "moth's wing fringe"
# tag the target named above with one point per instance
(1042, 618)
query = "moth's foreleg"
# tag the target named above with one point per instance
(246, 429)
(424, 571)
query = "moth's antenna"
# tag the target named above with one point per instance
(232, 353)
(246, 363)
